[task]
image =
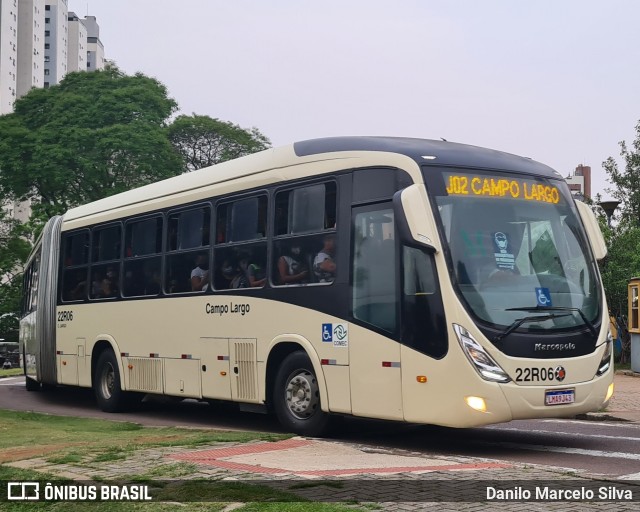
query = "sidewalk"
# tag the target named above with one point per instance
(625, 404)
(320, 470)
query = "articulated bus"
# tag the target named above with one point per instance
(392, 278)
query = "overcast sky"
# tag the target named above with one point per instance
(558, 81)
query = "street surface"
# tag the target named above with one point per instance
(609, 449)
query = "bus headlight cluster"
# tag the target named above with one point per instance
(481, 361)
(605, 362)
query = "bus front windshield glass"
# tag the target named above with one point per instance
(517, 249)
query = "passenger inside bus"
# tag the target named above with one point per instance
(324, 266)
(290, 269)
(200, 274)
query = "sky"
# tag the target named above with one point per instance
(557, 81)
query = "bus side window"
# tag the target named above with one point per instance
(305, 248)
(104, 275)
(187, 262)
(75, 265)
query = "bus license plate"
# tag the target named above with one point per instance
(560, 397)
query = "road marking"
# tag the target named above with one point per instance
(10, 381)
(572, 434)
(599, 423)
(631, 476)
(564, 449)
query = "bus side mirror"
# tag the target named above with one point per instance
(592, 228)
(414, 220)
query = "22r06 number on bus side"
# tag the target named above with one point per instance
(540, 374)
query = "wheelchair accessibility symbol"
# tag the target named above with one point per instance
(543, 297)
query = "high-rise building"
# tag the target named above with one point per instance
(56, 41)
(31, 58)
(95, 50)
(580, 182)
(77, 54)
(8, 54)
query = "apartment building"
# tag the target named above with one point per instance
(77, 52)
(56, 41)
(8, 54)
(31, 58)
(580, 182)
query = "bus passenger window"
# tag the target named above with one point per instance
(305, 220)
(241, 267)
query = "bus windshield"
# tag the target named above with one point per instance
(519, 256)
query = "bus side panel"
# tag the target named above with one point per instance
(376, 375)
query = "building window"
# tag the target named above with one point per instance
(47, 7)
(47, 33)
(47, 20)
(47, 46)
(46, 72)
(47, 58)
(46, 85)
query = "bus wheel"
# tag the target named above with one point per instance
(296, 397)
(106, 383)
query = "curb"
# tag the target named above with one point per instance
(599, 416)
(628, 373)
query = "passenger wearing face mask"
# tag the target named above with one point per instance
(200, 274)
(290, 269)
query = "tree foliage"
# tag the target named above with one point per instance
(14, 249)
(204, 141)
(93, 135)
(626, 181)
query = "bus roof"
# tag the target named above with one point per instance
(439, 153)
(422, 151)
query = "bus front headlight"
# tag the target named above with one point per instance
(479, 358)
(605, 362)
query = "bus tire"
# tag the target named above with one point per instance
(296, 397)
(31, 385)
(106, 384)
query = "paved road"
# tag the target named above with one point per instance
(596, 448)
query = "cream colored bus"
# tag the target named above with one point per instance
(403, 279)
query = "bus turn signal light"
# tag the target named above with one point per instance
(421, 379)
(609, 392)
(477, 403)
(223, 374)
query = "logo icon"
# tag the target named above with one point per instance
(560, 373)
(23, 491)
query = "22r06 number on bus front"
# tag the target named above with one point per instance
(540, 374)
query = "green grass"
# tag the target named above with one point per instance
(66, 440)
(13, 372)
(82, 441)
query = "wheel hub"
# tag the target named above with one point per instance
(301, 394)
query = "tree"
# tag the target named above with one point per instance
(14, 249)
(204, 141)
(93, 135)
(627, 181)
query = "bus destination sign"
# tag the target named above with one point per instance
(483, 186)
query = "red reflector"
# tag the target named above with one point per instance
(386, 364)
(220, 358)
(324, 361)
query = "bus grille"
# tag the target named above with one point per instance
(245, 355)
(145, 374)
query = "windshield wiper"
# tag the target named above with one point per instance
(560, 308)
(526, 319)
